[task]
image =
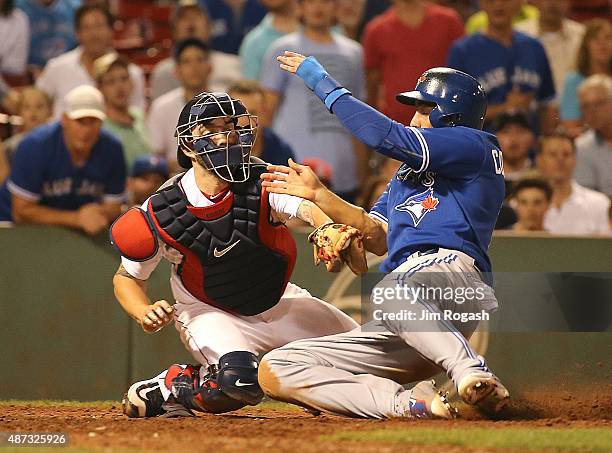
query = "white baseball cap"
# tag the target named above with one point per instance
(84, 101)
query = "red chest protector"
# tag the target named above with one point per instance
(234, 257)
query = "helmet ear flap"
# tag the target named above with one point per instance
(436, 118)
(450, 120)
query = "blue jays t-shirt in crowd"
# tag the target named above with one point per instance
(498, 68)
(43, 171)
(51, 28)
(228, 30)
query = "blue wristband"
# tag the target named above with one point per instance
(311, 72)
(329, 90)
(333, 97)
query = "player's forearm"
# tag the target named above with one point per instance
(366, 123)
(341, 211)
(130, 293)
(312, 214)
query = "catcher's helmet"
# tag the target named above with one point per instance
(226, 152)
(458, 97)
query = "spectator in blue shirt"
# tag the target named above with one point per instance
(51, 28)
(231, 20)
(512, 67)
(282, 18)
(68, 173)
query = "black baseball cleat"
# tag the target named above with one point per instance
(143, 399)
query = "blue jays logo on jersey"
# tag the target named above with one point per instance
(419, 205)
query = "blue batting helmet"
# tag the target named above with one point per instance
(458, 98)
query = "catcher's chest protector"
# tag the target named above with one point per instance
(235, 259)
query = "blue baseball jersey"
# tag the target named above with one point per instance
(43, 171)
(498, 68)
(51, 28)
(227, 29)
(448, 193)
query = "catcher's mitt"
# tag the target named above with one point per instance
(336, 244)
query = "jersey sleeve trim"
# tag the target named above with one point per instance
(21, 192)
(378, 216)
(424, 148)
(114, 198)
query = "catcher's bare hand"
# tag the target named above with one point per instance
(296, 179)
(156, 316)
(290, 61)
(336, 244)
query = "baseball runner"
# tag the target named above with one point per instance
(435, 220)
(232, 258)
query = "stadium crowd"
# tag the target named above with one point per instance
(90, 92)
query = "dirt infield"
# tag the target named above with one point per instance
(277, 427)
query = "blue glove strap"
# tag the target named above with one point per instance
(329, 90)
(311, 71)
(333, 97)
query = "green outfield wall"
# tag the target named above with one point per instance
(63, 335)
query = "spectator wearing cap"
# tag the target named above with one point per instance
(189, 20)
(559, 35)
(516, 140)
(594, 147)
(126, 121)
(192, 69)
(51, 27)
(531, 199)
(574, 209)
(268, 146)
(282, 18)
(147, 174)
(594, 57)
(231, 20)
(512, 67)
(94, 30)
(68, 173)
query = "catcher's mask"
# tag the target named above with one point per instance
(220, 132)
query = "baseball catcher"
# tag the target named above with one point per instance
(232, 258)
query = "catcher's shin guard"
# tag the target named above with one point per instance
(226, 387)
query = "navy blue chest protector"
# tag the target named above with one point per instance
(226, 264)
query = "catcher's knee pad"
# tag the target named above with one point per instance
(232, 385)
(237, 377)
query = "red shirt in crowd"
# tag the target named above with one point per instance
(401, 53)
